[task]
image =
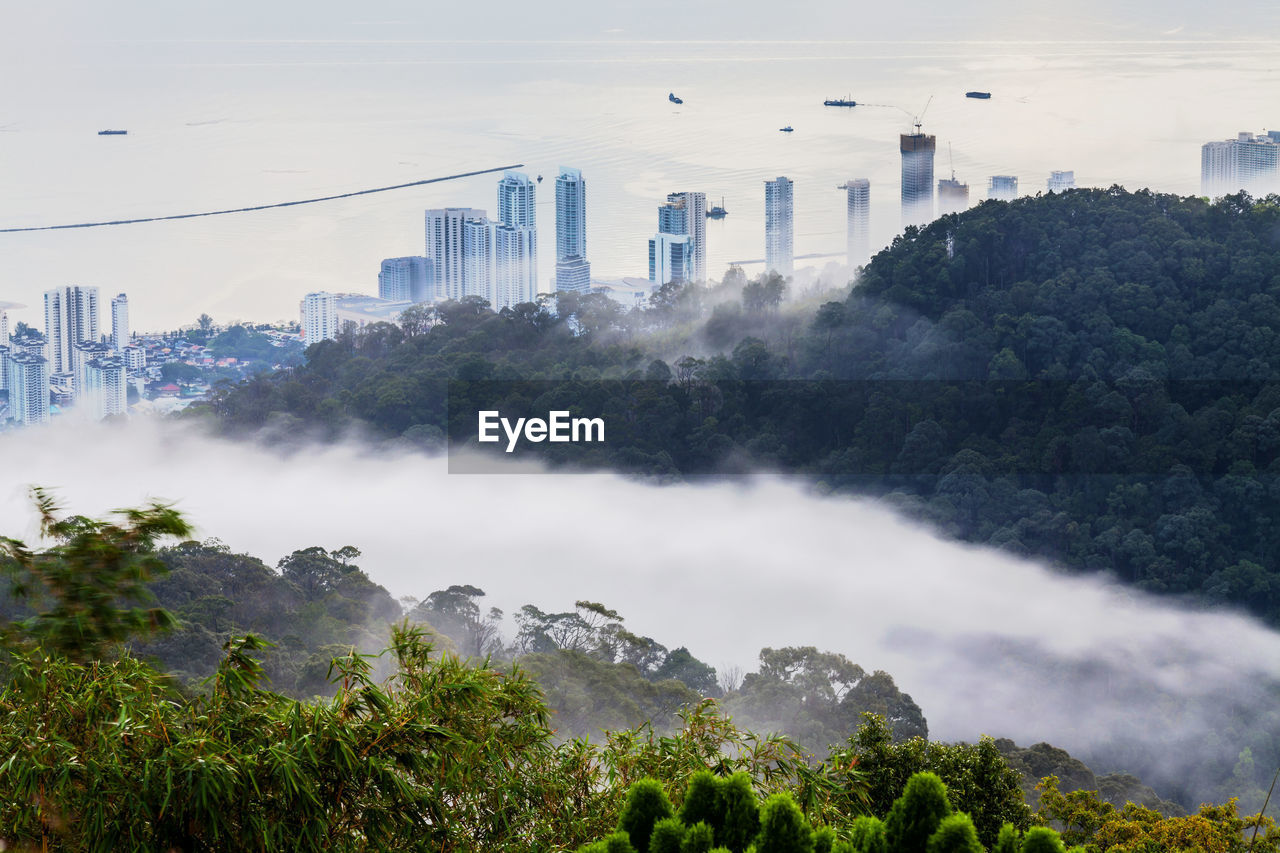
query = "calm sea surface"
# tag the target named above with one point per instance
(228, 124)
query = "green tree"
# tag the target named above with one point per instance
(668, 836)
(700, 839)
(702, 801)
(89, 589)
(955, 835)
(1008, 841)
(646, 804)
(783, 828)
(1042, 839)
(917, 814)
(741, 813)
(867, 835)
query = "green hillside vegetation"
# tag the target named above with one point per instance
(102, 752)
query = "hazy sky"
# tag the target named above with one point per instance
(34, 31)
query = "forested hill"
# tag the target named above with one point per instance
(1098, 369)
(1085, 284)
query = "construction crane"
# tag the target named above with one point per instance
(919, 119)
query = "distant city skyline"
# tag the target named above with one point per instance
(596, 110)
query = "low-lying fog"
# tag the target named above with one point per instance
(985, 643)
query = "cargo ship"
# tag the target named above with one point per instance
(982, 96)
(717, 211)
(113, 132)
(787, 129)
(840, 102)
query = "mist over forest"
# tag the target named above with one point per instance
(1016, 480)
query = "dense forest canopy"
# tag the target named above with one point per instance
(1086, 377)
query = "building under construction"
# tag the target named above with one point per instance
(953, 196)
(917, 177)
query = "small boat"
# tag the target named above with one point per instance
(717, 211)
(673, 99)
(982, 96)
(113, 132)
(846, 101)
(787, 129)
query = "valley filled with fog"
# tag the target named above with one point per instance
(984, 642)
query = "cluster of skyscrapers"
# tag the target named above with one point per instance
(71, 354)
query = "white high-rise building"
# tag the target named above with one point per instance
(445, 238)
(4, 366)
(28, 381)
(1247, 163)
(4, 328)
(406, 280)
(779, 226)
(81, 354)
(319, 317)
(1002, 187)
(105, 388)
(686, 213)
(515, 260)
(670, 258)
(517, 200)
(70, 316)
(858, 221)
(479, 241)
(917, 177)
(119, 322)
(1061, 181)
(573, 270)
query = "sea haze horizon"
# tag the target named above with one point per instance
(226, 123)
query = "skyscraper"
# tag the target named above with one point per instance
(406, 280)
(515, 277)
(4, 328)
(779, 227)
(917, 177)
(1246, 163)
(686, 213)
(858, 246)
(28, 381)
(953, 196)
(119, 322)
(1061, 181)
(670, 258)
(319, 317)
(517, 203)
(105, 391)
(1002, 187)
(70, 316)
(573, 271)
(479, 238)
(445, 229)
